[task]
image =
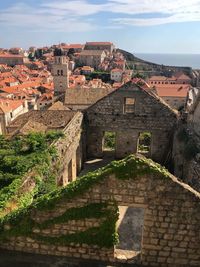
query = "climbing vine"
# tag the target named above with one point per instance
(21, 223)
(104, 235)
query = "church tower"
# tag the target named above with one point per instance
(60, 72)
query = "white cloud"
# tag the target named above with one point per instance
(174, 10)
(154, 6)
(75, 7)
(43, 19)
(76, 15)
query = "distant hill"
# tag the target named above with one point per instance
(150, 67)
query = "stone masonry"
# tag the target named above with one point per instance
(150, 114)
(170, 230)
(70, 150)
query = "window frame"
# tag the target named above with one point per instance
(129, 108)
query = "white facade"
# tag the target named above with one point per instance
(9, 114)
(116, 75)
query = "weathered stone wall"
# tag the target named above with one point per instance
(171, 224)
(70, 150)
(82, 98)
(150, 114)
(186, 155)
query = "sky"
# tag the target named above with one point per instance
(138, 26)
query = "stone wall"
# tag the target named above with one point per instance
(70, 150)
(186, 155)
(171, 222)
(82, 98)
(150, 114)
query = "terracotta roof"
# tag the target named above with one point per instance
(179, 74)
(116, 70)
(183, 77)
(117, 85)
(87, 68)
(99, 43)
(68, 46)
(48, 86)
(15, 48)
(173, 90)
(11, 56)
(15, 88)
(158, 78)
(8, 105)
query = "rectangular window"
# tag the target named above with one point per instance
(109, 142)
(130, 231)
(129, 105)
(144, 143)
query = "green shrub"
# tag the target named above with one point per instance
(22, 154)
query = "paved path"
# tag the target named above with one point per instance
(94, 164)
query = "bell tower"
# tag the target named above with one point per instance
(60, 72)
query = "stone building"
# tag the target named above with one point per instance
(155, 215)
(174, 95)
(92, 58)
(9, 110)
(80, 221)
(12, 60)
(70, 149)
(116, 75)
(177, 78)
(106, 46)
(77, 48)
(128, 113)
(60, 72)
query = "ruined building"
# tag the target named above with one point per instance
(155, 216)
(158, 222)
(128, 112)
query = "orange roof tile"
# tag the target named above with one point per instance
(10, 55)
(116, 70)
(158, 78)
(172, 90)
(8, 105)
(75, 46)
(99, 43)
(46, 96)
(14, 89)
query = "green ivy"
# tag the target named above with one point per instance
(21, 155)
(105, 235)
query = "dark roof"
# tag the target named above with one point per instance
(85, 96)
(53, 119)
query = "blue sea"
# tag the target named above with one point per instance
(184, 60)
